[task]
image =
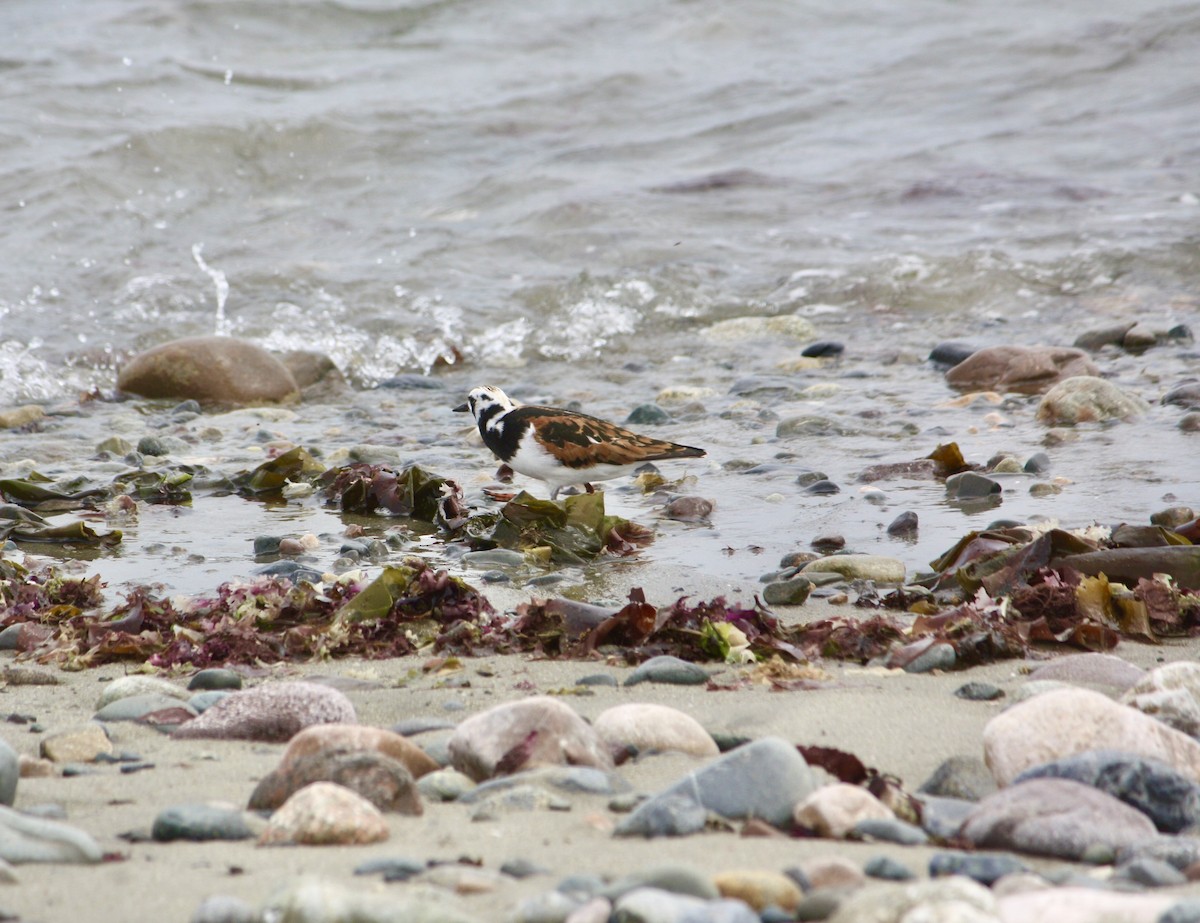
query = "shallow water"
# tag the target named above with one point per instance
(562, 198)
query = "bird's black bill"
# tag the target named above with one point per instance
(462, 408)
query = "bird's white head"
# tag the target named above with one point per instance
(485, 403)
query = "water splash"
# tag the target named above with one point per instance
(221, 283)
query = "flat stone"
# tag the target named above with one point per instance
(1054, 817)
(198, 822)
(126, 686)
(137, 707)
(273, 712)
(76, 745)
(315, 900)
(647, 726)
(760, 889)
(215, 678)
(670, 670)
(1102, 672)
(1170, 799)
(790, 592)
(874, 567)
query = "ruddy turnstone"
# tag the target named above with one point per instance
(562, 447)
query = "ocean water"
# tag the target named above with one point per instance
(561, 197)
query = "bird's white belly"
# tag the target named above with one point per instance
(532, 460)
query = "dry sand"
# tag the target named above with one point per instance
(898, 723)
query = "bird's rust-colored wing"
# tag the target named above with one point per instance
(580, 441)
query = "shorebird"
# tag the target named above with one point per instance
(562, 447)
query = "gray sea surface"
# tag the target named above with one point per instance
(561, 198)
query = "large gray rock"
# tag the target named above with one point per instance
(764, 779)
(214, 369)
(1055, 817)
(1170, 799)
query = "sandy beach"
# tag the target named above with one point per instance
(901, 724)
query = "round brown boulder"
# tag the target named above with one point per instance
(220, 370)
(1023, 369)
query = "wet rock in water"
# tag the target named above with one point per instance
(212, 369)
(311, 369)
(670, 670)
(127, 686)
(791, 592)
(833, 810)
(1170, 799)
(1055, 817)
(985, 868)
(647, 726)
(222, 908)
(273, 712)
(1064, 722)
(960, 777)
(979, 692)
(688, 509)
(76, 745)
(760, 889)
(1186, 395)
(1022, 369)
(538, 731)
(1037, 463)
(970, 485)
(315, 900)
(215, 678)
(24, 838)
(874, 567)
(1083, 905)
(1087, 399)
(1100, 337)
(736, 329)
(10, 773)
(325, 814)
(939, 899)
(16, 417)
(199, 822)
(380, 779)
(822, 488)
(153, 446)
(647, 415)
(951, 353)
(1105, 673)
(1173, 517)
(823, 349)
(903, 525)
(763, 779)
